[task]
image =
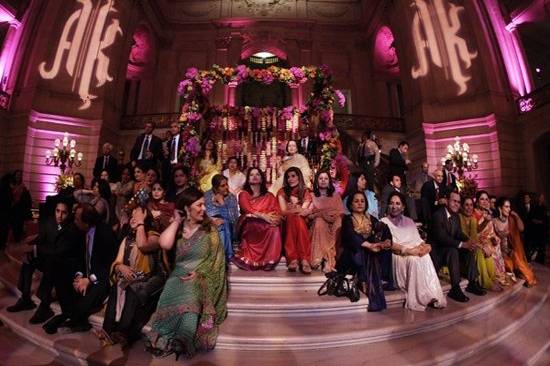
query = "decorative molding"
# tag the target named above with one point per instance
(362, 122)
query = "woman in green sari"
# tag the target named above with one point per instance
(193, 303)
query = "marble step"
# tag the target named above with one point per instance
(443, 346)
(350, 329)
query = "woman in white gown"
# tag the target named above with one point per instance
(293, 158)
(413, 269)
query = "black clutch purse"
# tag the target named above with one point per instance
(337, 284)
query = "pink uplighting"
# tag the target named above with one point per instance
(385, 55)
(482, 137)
(511, 49)
(11, 43)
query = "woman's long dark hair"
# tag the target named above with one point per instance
(330, 189)
(263, 185)
(352, 183)
(103, 187)
(187, 198)
(301, 184)
(213, 152)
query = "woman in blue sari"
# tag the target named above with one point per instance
(223, 208)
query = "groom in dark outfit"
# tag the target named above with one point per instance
(451, 247)
(147, 149)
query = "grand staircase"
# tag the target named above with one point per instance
(276, 318)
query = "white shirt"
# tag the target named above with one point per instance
(174, 144)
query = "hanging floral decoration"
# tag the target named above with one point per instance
(255, 122)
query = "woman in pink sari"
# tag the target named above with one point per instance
(258, 225)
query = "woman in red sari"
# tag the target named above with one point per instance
(258, 225)
(295, 201)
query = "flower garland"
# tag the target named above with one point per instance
(198, 84)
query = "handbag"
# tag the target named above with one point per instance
(337, 284)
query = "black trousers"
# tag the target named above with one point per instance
(459, 261)
(75, 306)
(43, 264)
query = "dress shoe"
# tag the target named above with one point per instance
(51, 326)
(293, 266)
(21, 305)
(475, 289)
(42, 314)
(458, 295)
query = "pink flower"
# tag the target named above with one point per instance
(193, 146)
(206, 87)
(298, 73)
(242, 73)
(267, 77)
(191, 72)
(340, 97)
(194, 116)
(183, 85)
(325, 115)
(287, 113)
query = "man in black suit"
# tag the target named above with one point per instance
(56, 240)
(395, 185)
(449, 179)
(172, 150)
(399, 164)
(451, 247)
(147, 149)
(83, 286)
(106, 162)
(307, 144)
(432, 196)
(525, 211)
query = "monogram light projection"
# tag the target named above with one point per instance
(435, 34)
(85, 38)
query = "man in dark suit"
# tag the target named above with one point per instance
(399, 164)
(432, 196)
(171, 151)
(451, 247)
(83, 286)
(395, 186)
(56, 239)
(449, 179)
(525, 211)
(147, 149)
(106, 162)
(307, 144)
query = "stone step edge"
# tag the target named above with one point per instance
(343, 339)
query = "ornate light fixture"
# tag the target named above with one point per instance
(459, 154)
(64, 154)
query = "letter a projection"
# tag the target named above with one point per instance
(435, 34)
(85, 38)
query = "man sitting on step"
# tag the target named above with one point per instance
(56, 237)
(451, 248)
(82, 287)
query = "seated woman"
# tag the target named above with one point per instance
(326, 217)
(294, 200)
(193, 303)
(105, 176)
(508, 226)
(208, 164)
(123, 194)
(139, 178)
(137, 278)
(180, 182)
(259, 225)
(292, 159)
(413, 269)
(98, 197)
(364, 238)
(490, 243)
(358, 182)
(161, 210)
(483, 253)
(222, 207)
(235, 178)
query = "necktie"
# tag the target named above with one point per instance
(173, 151)
(88, 255)
(144, 147)
(449, 179)
(105, 161)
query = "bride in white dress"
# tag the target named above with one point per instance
(413, 268)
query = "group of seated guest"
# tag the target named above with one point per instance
(156, 249)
